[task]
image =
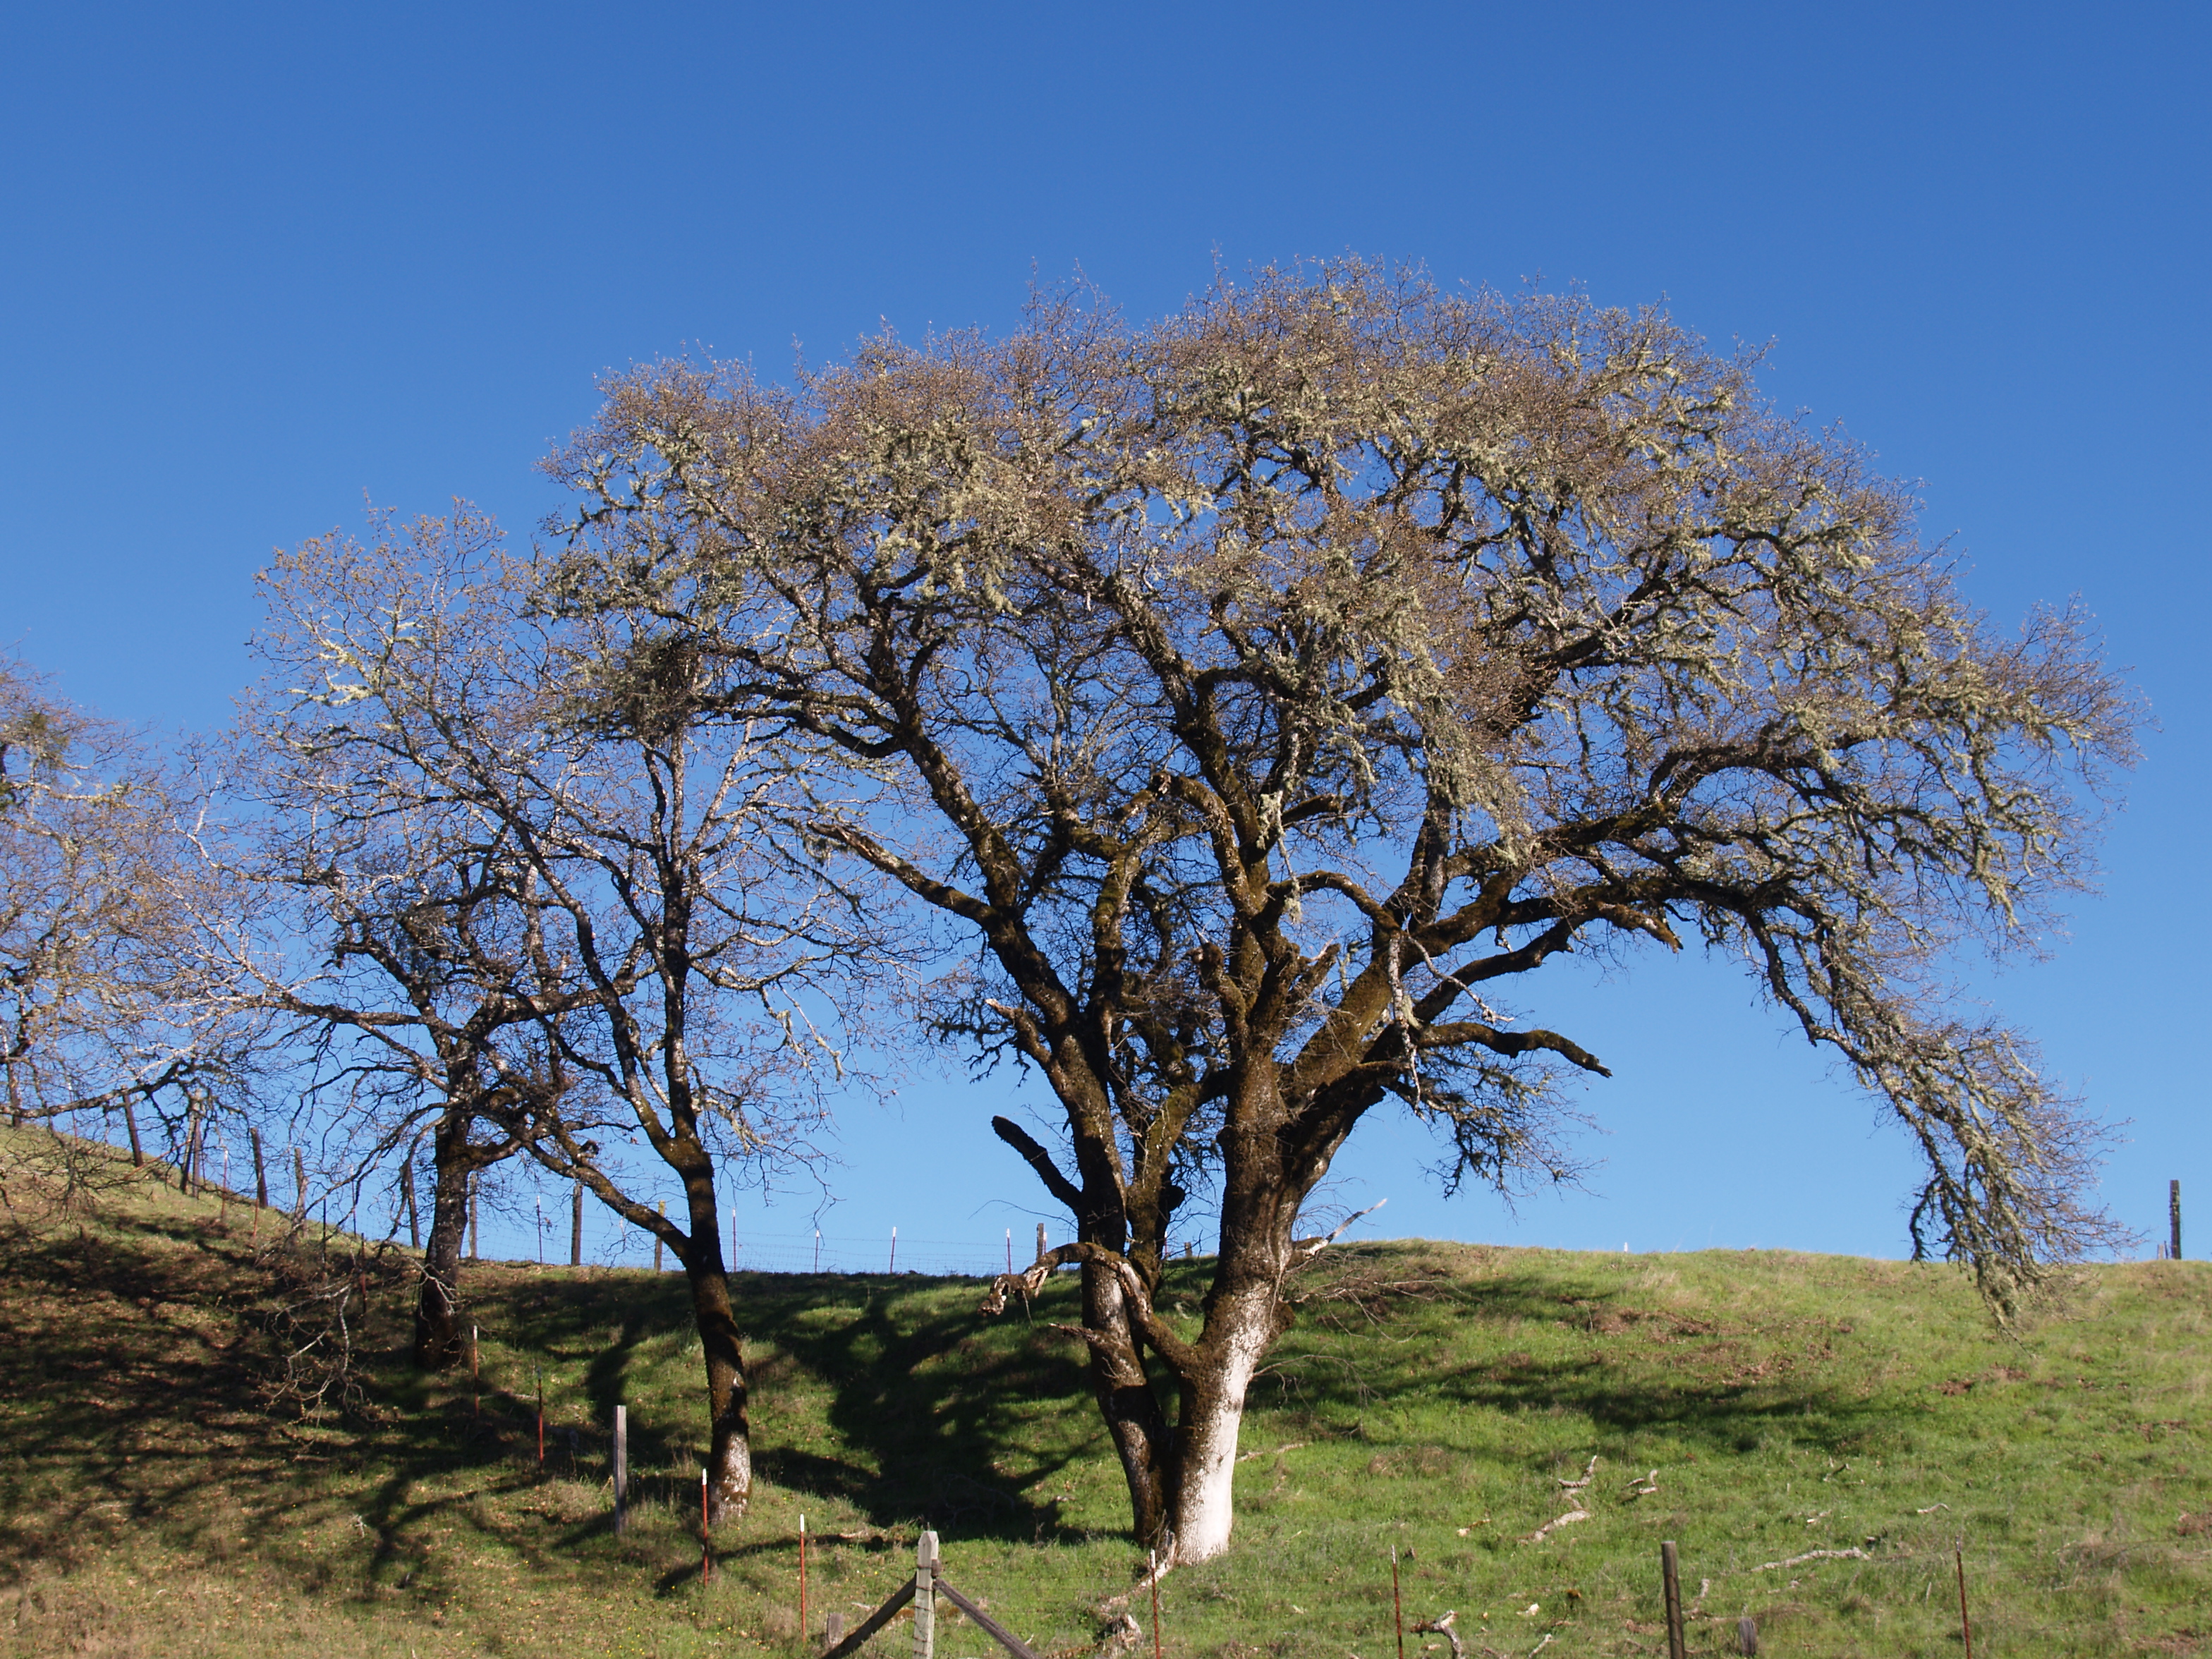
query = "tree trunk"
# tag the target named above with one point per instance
(1202, 1510)
(730, 1447)
(1142, 1438)
(439, 1345)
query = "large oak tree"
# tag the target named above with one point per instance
(1271, 692)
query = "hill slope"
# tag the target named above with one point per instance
(158, 1493)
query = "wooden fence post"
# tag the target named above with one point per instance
(1670, 1573)
(576, 1225)
(299, 1187)
(1966, 1628)
(924, 1597)
(260, 1173)
(2173, 1213)
(407, 1186)
(833, 1629)
(622, 1468)
(1040, 1255)
(1746, 1637)
(475, 1253)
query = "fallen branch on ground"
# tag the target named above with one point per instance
(1854, 1553)
(1568, 1519)
(1444, 1627)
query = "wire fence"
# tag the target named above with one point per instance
(887, 1253)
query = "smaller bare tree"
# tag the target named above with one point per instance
(649, 953)
(96, 1018)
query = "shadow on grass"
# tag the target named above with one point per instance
(146, 1365)
(926, 1395)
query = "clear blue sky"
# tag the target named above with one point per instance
(259, 260)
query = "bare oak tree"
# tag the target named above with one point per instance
(1268, 689)
(95, 1017)
(385, 922)
(613, 903)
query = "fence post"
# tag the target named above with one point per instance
(924, 1597)
(1040, 1255)
(1671, 1574)
(299, 1187)
(475, 1253)
(576, 1225)
(656, 1237)
(2173, 1210)
(1397, 1605)
(622, 1468)
(407, 1185)
(1966, 1628)
(260, 1173)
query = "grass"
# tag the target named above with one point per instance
(1432, 1397)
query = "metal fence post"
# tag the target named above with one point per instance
(622, 1468)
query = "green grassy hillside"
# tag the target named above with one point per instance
(154, 1498)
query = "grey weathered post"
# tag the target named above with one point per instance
(622, 1468)
(576, 1227)
(476, 1187)
(299, 1187)
(1746, 1637)
(2173, 1213)
(924, 1597)
(833, 1629)
(1670, 1573)
(1040, 1255)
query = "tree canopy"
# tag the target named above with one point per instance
(1269, 692)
